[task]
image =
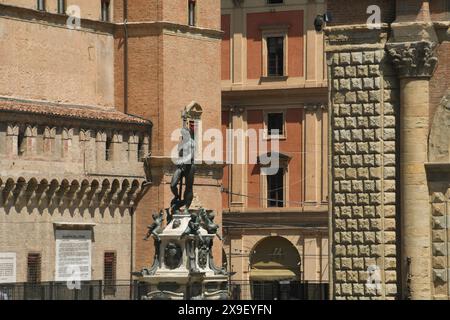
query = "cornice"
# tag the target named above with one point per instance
(113, 28)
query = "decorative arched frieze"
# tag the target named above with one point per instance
(66, 193)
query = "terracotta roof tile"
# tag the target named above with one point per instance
(68, 111)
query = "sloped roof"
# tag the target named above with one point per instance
(69, 111)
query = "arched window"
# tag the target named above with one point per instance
(108, 148)
(105, 10)
(61, 6)
(41, 5)
(21, 142)
(191, 12)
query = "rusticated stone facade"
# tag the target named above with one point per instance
(390, 165)
(364, 97)
(438, 172)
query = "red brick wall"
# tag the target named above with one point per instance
(225, 24)
(295, 40)
(143, 10)
(440, 10)
(355, 12)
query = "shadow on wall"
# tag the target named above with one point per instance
(439, 143)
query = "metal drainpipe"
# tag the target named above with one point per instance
(125, 107)
(132, 252)
(125, 58)
(330, 197)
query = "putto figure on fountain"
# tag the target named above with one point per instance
(154, 230)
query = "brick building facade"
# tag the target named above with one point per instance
(274, 77)
(81, 103)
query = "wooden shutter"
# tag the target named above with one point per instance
(109, 272)
(34, 268)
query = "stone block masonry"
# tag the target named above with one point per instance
(364, 100)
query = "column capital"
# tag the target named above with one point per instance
(413, 59)
(238, 3)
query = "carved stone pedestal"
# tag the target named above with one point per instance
(184, 267)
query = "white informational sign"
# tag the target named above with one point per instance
(7, 267)
(73, 255)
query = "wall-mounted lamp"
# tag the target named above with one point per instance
(321, 20)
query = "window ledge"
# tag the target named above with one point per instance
(275, 27)
(274, 78)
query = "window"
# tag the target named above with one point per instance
(275, 189)
(274, 1)
(21, 142)
(34, 268)
(275, 56)
(275, 124)
(141, 150)
(105, 10)
(109, 273)
(61, 6)
(41, 5)
(108, 148)
(191, 12)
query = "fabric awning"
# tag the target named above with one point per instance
(273, 274)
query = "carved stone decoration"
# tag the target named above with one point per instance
(438, 145)
(191, 255)
(176, 224)
(238, 3)
(203, 251)
(156, 260)
(172, 255)
(413, 59)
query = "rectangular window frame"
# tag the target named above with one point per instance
(266, 135)
(61, 6)
(270, 32)
(39, 268)
(40, 5)
(193, 22)
(264, 187)
(110, 285)
(105, 10)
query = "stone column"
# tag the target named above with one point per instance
(415, 63)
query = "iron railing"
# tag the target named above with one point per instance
(135, 290)
(278, 290)
(87, 290)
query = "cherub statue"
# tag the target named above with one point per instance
(193, 227)
(208, 222)
(155, 228)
